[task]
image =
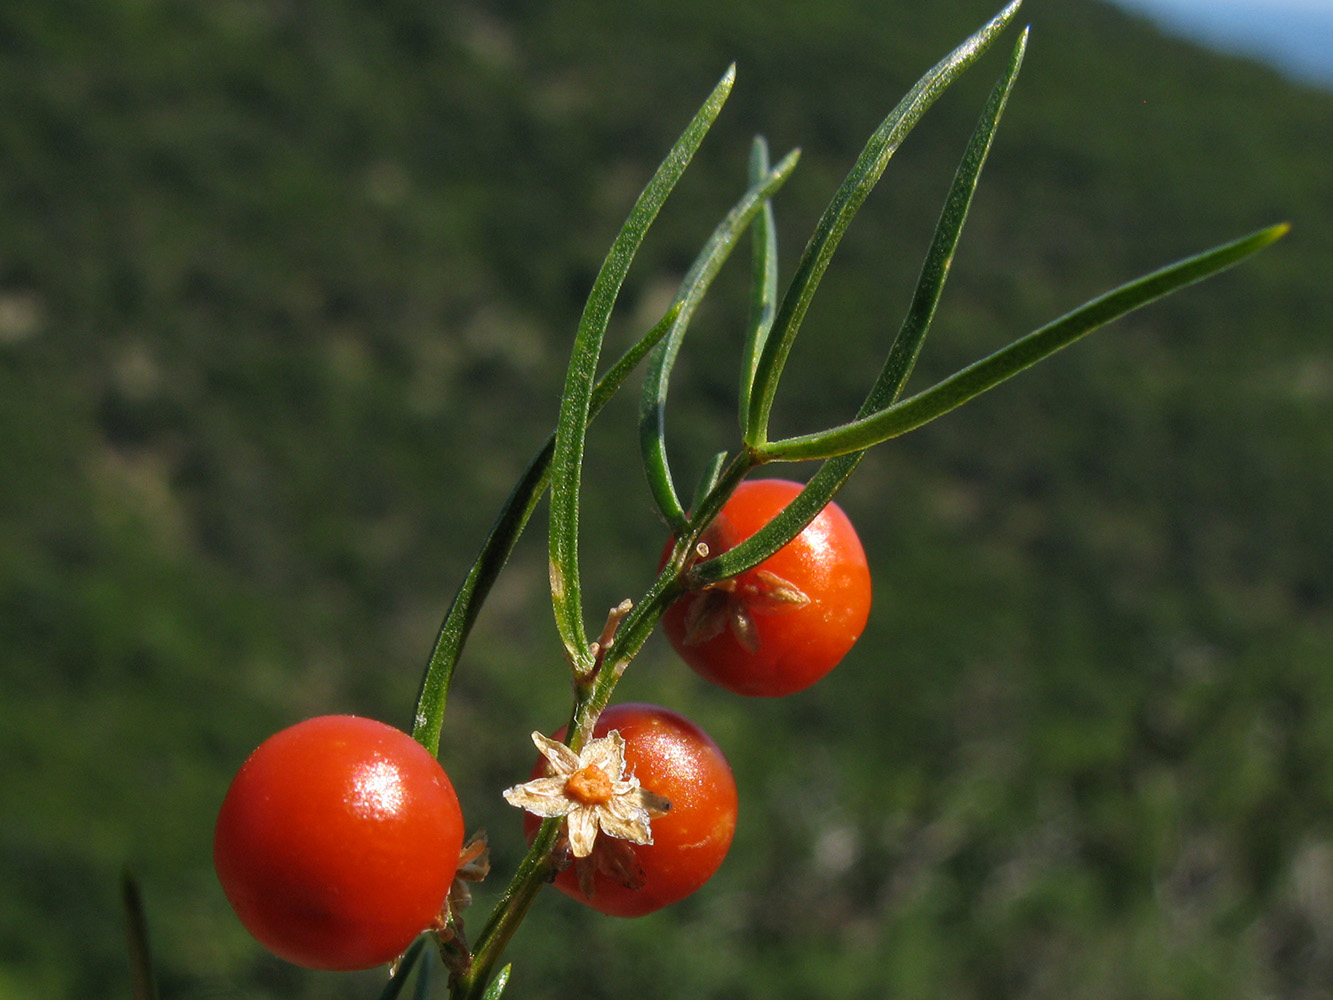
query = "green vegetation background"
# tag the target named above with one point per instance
(285, 293)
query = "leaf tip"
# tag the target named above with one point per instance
(1267, 237)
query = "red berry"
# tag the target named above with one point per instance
(779, 627)
(674, 758)
(337, 842)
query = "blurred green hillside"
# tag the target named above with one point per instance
(285, 295)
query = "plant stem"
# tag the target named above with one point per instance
(533, 872)
(639, 624)
(537, 867)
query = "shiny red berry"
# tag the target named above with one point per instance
(337, 842)
(779, 627)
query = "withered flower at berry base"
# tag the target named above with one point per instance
(592, 792)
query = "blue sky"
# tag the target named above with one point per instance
(1294, 35)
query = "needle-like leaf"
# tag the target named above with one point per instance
(902, 354)
(143, 979)
(763, 284)
(513, 518)
(846, 201)
(402, 971)
(1023, 353)
(575, 400)
(652, 413)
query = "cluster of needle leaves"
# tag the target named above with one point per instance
(775, 319)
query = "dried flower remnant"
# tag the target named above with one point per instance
(733, 603)
(474, 864)
(592, 792)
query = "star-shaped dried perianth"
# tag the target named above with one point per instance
(592, 792)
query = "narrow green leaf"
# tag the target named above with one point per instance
(495, 551)
(615, 376)
(775, 534)
(575, 401)
(699, 278)
(948, 231)
(1023, 353)
(422, 989)
(142, 978)
(846, 201)
(709, 480)
(498, 984)
(824, 485)
(763, 285)
(402, 972)
(463, 609)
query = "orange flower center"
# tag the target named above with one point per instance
(590, 785)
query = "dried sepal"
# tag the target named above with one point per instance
(731, 606)
(616, 860)
(706, 617)
(474, 864)
(770, 594)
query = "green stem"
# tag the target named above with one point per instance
(639, 624)
(536, 867)
(534, 871)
